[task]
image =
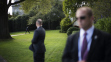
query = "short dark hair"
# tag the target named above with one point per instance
(39, 21)
(88, 9)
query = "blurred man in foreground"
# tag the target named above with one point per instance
(89, 44)
(37, 45)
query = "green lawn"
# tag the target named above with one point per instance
(16, 50)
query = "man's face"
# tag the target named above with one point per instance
(83, 19)
(37, 24)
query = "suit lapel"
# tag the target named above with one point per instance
(94, 42)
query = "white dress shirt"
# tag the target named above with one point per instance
(81, 37)
(38, 27)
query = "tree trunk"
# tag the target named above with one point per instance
(4, 30)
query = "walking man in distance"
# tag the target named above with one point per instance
(27, 30)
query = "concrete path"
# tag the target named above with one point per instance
(2, 60)
(17, 35)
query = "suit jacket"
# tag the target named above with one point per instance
(37, 45)
(100, 49)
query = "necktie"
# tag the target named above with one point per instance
(84, 51)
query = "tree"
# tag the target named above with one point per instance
(70, 6)
(55, 14)
(4, 30)
(102, 9)
(43, 6)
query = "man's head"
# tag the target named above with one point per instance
(39, 22)
(84, 16)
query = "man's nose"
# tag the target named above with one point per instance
(79, 20)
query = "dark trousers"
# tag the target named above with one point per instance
(39, 57)
(27, 31)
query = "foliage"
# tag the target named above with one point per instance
(98, 6)
(33, 19)
(65, 24)
(15, 14)
(42, 5)
(9, 16)
(102, 8)
(71, 29)
(70, 6)
(58, 27)
(50, 20)
(55, 13)
(104, 24)
(18, 23)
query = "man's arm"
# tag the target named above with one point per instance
(67, 52)
(36, 34)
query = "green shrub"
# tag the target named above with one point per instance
(65, 24)
(58, 27)
(18, 23)
(104, 24)
(71, 29)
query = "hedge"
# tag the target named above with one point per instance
(18, 23)
(71, 29)
(65, 24)
(104, 24)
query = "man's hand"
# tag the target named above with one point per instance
(82, 61)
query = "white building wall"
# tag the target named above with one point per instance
(15, 8)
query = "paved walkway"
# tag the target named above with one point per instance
(2, 60)
(17, 35)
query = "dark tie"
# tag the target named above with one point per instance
(84, 51)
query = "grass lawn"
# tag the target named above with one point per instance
(17, 50)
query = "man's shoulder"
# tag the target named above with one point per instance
(36, 30)
(39, 29)
(102, 33)
(73, 35)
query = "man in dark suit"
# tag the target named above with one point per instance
(89, 44)
(37, 45)
(27, 30)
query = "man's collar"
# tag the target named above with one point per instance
(39, 27)
(89, 31)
